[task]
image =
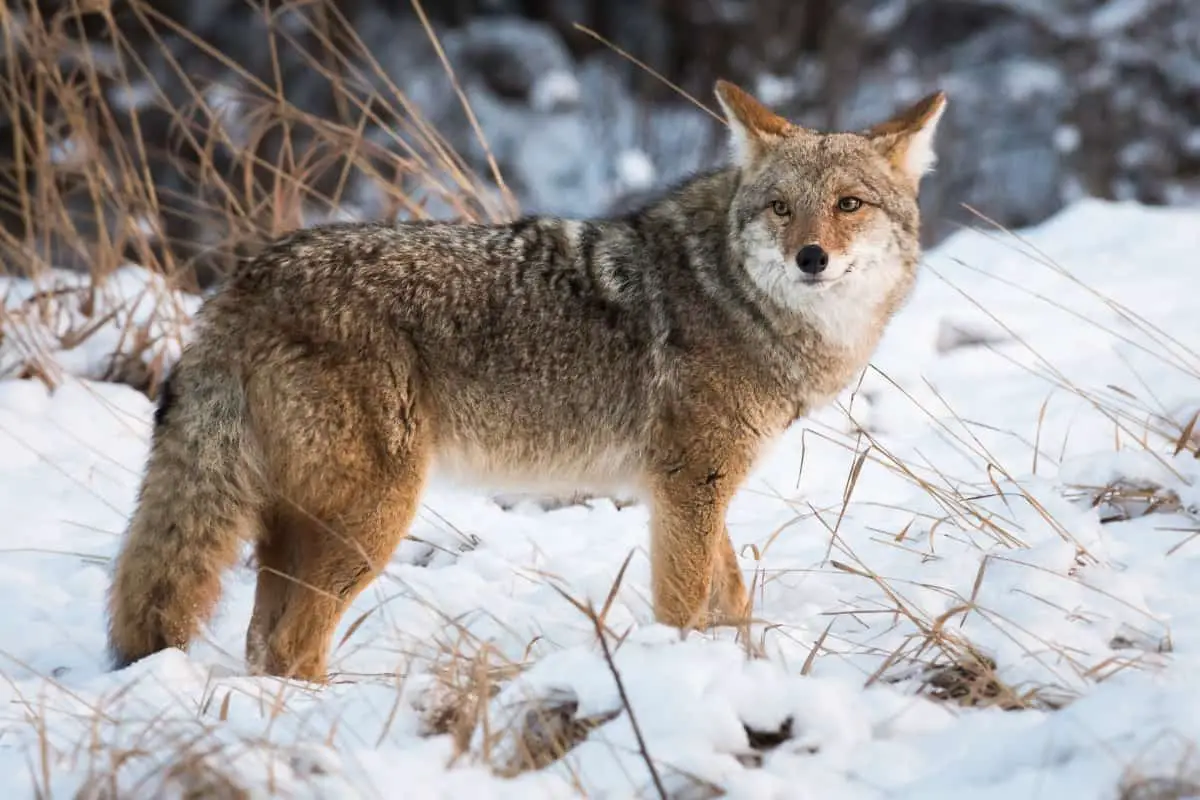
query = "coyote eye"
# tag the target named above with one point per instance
(780, 208)
(849, 204)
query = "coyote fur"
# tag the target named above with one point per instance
(336, 370)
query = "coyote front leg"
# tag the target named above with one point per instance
(691, 557)
(730, 602)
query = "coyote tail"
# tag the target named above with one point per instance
(201, 497)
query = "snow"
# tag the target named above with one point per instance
(1067, 138)
(1118, 14)
(774, 90)
(918, 504)
(635, 170)
(134, 95)
(557, 89)
(60, 324)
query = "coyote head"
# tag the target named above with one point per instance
(823, 215)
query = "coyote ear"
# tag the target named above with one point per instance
(907, 139)
(752, 125)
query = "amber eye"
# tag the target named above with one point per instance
(780, 208)
(849, 204)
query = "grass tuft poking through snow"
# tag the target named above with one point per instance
(126, 327)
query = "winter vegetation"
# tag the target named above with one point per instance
(971, 575)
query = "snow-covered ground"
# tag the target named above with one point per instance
(948, 513)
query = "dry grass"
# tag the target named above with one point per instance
(457, 704)
(1159, 789)
(545, 733)
(190, 775)
(112, 163)
(1175, 776)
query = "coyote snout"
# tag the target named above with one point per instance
(336, 370)
(812, 260)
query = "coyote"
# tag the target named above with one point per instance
(656, 352)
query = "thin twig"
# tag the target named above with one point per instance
(633, 723)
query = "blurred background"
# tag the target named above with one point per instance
(178, 135)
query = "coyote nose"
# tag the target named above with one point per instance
(812, 258)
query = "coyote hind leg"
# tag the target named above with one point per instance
(348, 447)
(314, 570)
(276, 562)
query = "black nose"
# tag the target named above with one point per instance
(812, 259)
